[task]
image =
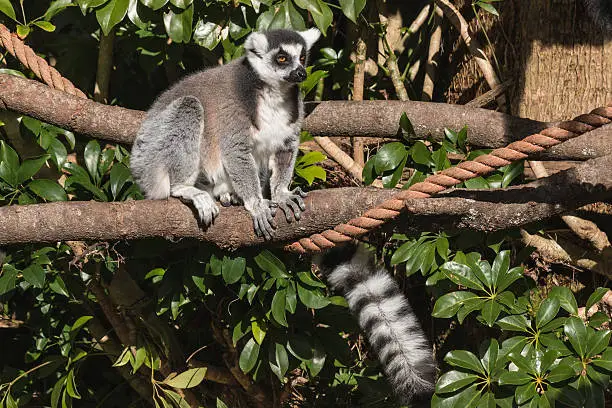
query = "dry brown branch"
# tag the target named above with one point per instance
(105, 67)
(431, 65)
(358, 84)
(230, 356)
(491, 210)
(489, 96)
(330, 118)
(584, 229)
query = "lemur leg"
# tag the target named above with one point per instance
(282, 170)
(242, 169)
(182, 131)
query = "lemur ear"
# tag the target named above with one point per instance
(256, 42)
(310, 36)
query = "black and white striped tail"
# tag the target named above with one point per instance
(387, 319)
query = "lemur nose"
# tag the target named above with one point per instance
(298, 74)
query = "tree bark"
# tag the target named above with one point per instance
(564, 191)
(332, 118)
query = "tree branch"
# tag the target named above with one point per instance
(330, 118)
(485, 210)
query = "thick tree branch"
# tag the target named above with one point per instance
(486, 210)
(330, 118)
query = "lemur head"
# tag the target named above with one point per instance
(280, 56)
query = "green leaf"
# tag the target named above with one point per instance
(8, 158)
(352, 9)
(119, 174)
(300, 347)
(92, 156)
(249, 355)
(58, 286)
(154, 4)
(207, 34)
(508, 278)
(447, 305)
(278, 307)
(420, 154)
(525, 392)
(464, 359)
(7, 8)
(268, 262)
(318, 359)
(45, 25)
(181, 3)
(454, 380)
(30, 167)
(233, 269)
(489, 360)
(35, 275)
(278, 360)
(307, 278)
(566, 298)
(286, 16)
(389, 157)
(598, 341)
(511, 172)
(84, 5)
(461, 275)
(560, 373)
(179, 25)
(596, 297)
(514, 323)
(490, 311)
(604, 362)
(291, 302)
(221, 404)
(576, 332)
(8, 278)
(139, 359)
(523, 363)
(109, 16)
(123, 358)
(80, 322)
(513, 378)
(547, 311)
(48, 190)
(488, 7)
(311, 297)
(23, 31)
(56, 393)
(259, 330)
(56, 7)
(501, 265)
(71, 385)
(320, 12)
(187, 379)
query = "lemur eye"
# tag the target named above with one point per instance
(302, 60)
(281, 59)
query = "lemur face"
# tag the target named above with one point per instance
(280, 56)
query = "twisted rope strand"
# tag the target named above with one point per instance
(450, 177)
(38, 65)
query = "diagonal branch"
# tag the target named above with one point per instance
(485, 210)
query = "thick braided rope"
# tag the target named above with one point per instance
(466, 170)
(13, 44)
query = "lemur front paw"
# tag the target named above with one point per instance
(206, 207)
(263, 218)
(293, 200)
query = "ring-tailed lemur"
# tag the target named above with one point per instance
(232, 133)
(601, 12)
(385, 316)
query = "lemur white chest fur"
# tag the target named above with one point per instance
(275, 124)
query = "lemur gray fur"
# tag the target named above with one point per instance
(601, 12)
(231, 133)
(390, 325)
